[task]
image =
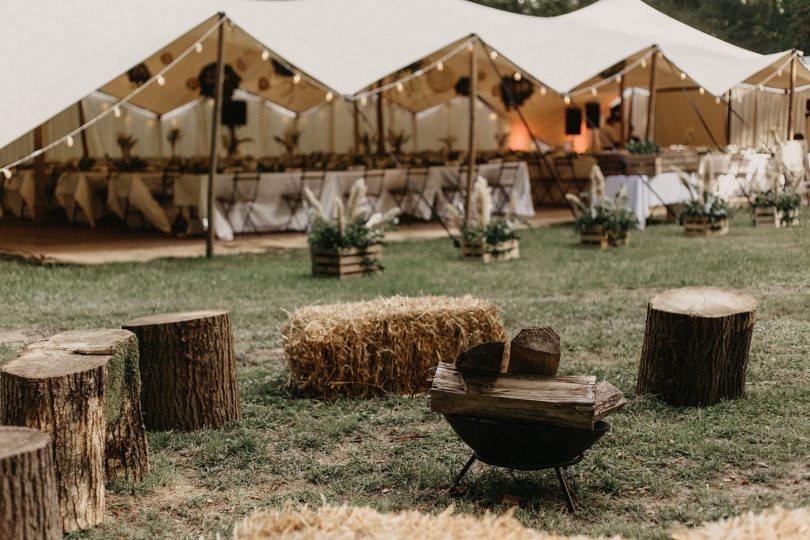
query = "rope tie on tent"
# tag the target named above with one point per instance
(116, 108)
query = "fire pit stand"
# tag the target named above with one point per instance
(569, 496)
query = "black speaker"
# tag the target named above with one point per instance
(234, 113)
(573, 121)
(593, 114)
(807, 110)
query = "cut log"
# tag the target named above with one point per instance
(188, 370)
(557, 401)
(696, 346)
(486, 357)
(82, 387)
(29, 505)
(535, 351)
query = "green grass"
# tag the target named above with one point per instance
(658, 468)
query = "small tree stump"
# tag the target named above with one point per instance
(29, 506)
(535, 351)
(188, 369)
(82, 387)
(696, 346)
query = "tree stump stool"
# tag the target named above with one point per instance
(82, 387)
(188, 369)
(29, 506)
(696, 346)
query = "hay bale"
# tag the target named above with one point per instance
(384, 345)
(345, 522)
(772, 523)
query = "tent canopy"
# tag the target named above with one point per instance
(347, 45)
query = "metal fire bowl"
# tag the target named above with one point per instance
(524, 446)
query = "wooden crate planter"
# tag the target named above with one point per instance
(503, 251)
(696, 226)
(643, 164)
(619, 240)
(346, 262)
(594, 237)
(770, 216)
(685, 160)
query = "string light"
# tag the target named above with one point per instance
(643, 63)
(117, 111)
(717, 100)
(400, 87)
(701, 90)
(493, 55)
(69, 141)
(619, 78)
(198, 47)
(470, 46)
(7, 173)
(329, 97)
(493, 116)
(440, 66)
(779, 73)
(517, 76)
(594, 91)
(567, 100)
(761, 87)
(543, 91)
(265, 55)
(364, 101)
(160, 80)
(683, 76)
(297, 78)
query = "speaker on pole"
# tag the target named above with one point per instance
(573, 121)
(593, 114)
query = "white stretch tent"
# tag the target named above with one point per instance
(346, 45)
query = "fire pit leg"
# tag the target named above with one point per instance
(568, 500)
(464, 470)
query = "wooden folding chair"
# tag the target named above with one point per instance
(375, 183)
(244, 190)
(504, 186)
(416, 179)
(296, 200)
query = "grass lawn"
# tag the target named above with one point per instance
(658, 467)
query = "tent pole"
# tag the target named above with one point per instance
(356, 120)
(630, 115)
(83, 133)
(791, 97)
(729, 112)
(38, 211)
(212, 158)
(380, 123)
(755, 127)
(621, 111)
(649, 132)
(471, 146)
(332, 125)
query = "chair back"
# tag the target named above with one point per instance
(375, 182)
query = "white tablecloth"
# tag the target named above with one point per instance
(644, 193)
(83, 190)
(18, 193)
(269, 210)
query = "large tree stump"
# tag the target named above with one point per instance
(81, 387)
(29, 506)
(696, 346)
(188, 370)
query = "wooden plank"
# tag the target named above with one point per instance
(559, 401)
(344, 261)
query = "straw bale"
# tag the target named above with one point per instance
(345, 522)
(776, 523)
(385, 345)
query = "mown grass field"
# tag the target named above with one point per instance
(660, 467)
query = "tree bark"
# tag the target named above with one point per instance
(696, 346)
(29, 505)
(188, 370)
(82, 388)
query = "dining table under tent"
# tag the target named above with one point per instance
(392, 79)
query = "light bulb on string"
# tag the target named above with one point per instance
(265, 55)
(160, 80)
(717, 100)
(779, 73)
(7, 173)
(493, 116)
(493, 55)
(594, 92)
(329, 96)
(643, 63)
(69, 141)
(297, 78)
(198, 47)
(400, 87)
(701, 90)
(470, 46)
(364, 101)
(117, 111)
(683, 76)
(440, 66)
(543, 90)
(761, 87)
(567, 100)
(517, 76)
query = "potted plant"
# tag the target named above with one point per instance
(397, 140)
(290, 141)
(602, 222)
(642, 157)
(705, 213)
(126, 143)
(779, 205)
(483, 236)
(173, 137)
(352, 243)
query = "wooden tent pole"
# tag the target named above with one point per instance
(729, 112)
(415, 132)
(755, 128)
(356, 120)
(621, 111)
(82, 133)
(471, 146)
(332, 127)
(212, 158)
(649, 132)
(38, 211)
(791, 97)
(630, 115)
(380, 123)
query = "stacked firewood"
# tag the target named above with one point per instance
(522, 385)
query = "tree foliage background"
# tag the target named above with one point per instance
(764, 26)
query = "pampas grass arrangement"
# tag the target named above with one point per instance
(706, 213)
(602, 221)
(385, 345)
